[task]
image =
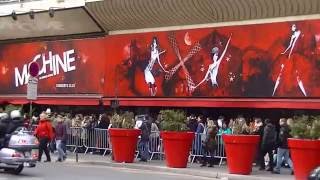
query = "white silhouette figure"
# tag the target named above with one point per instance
(213, 69)
(155, 56)
(293, 40)
(294, 37)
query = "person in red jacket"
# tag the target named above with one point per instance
(44, 133)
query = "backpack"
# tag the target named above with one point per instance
(145, 131)
(270, 138)
(204, 134)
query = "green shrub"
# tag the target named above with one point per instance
(306, 127)
(12, 107)
(240, 127)
(124, 120)
(173, 120)
(315, 129)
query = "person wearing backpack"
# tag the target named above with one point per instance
(209, 144)
(44, 133)
(269, 141)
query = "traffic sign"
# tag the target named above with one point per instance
(34, 69)
(32, 88)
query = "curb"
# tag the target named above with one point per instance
(182, 171)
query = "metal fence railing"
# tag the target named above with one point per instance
(74, 139)
(98, 139)
(197, 149)
(155, 145)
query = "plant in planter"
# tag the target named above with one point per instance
(241, 147)
(305, 131)
(125, 120)
(176, 140)
(12, 107)
(123, 137)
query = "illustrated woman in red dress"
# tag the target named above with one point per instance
(293, 42)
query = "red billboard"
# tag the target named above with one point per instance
(262, 60)
(66, 67)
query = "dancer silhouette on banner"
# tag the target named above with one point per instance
(155, 56)
(213, 69)
(294, 38)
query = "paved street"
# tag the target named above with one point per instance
(84, 172)
(99, 167)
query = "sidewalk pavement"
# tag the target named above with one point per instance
(192, 169)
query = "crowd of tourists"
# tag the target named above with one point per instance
(273, 138)
(56, 127)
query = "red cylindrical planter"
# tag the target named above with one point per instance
(305, 155)
(124, 144)
(177, 147)
(241, 151)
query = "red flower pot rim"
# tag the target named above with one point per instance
(124, 132)
(122, 129)
(304, 143)
(304, 139)
(241, 135)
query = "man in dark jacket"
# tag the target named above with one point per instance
(144, 141)
(192, 123)
(268, 144)
(104, 122)
(61, 137)
(283, 151)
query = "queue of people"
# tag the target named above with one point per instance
(55, 127)
(52, 130)
(273, 138)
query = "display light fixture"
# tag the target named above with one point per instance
(51, 12)
(14, 15)
(31, 14)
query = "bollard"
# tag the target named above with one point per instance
(77, 153)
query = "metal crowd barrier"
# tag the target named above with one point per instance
(74, 138)
(98, 139)
(197, 149)
(155, 145)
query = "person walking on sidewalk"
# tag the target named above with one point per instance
(283, 150)
(210, 144)
(268, 144)
(44, 133)
(144, 141)
(61, 137)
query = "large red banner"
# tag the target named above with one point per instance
(264, 60)
(66, 67)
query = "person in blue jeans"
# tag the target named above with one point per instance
(283, 150)
(61, 136)
(144, 141)
(200, 135)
